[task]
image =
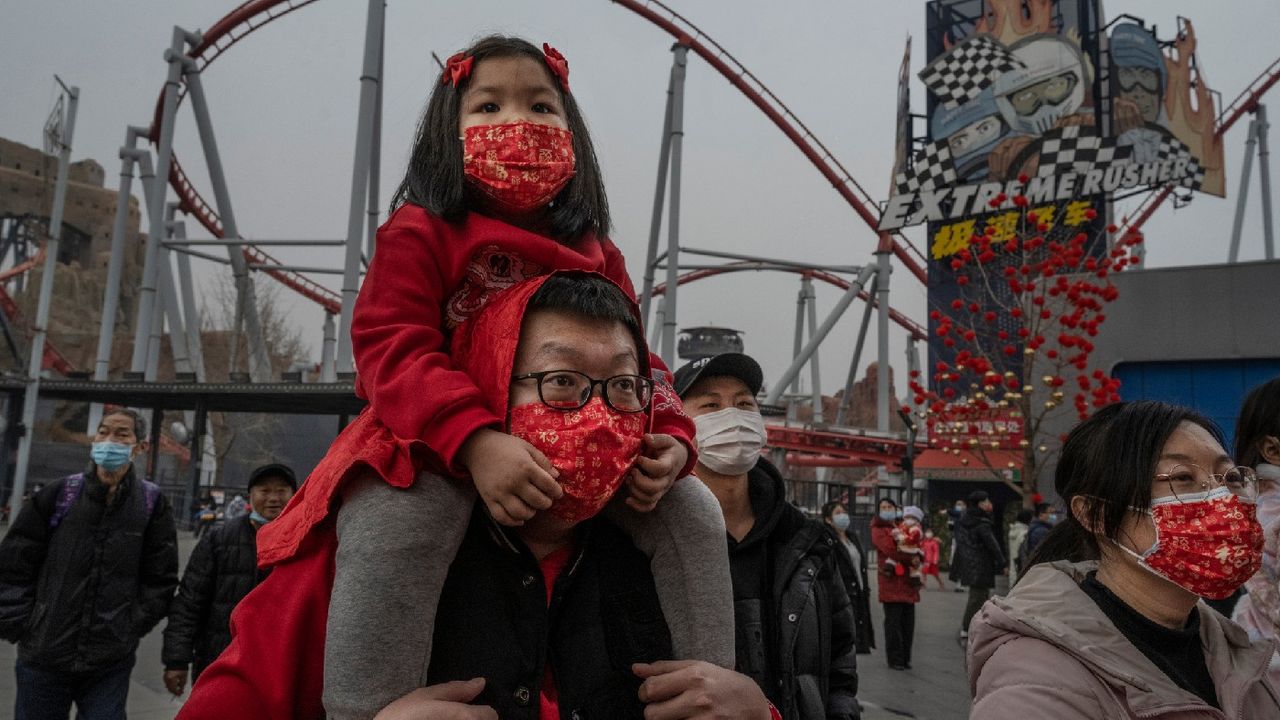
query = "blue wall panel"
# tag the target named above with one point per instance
(1214, 387)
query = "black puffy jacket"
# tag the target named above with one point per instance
(814, 662)
(494, 621)
(855, 584)
(977, 551)
(79, 597)
(222, 570)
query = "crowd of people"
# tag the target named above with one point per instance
(535, 518)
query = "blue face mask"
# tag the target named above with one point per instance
(111, 455)
(888, 515)
(841, 522)
(257, 518)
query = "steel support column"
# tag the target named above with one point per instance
(246, 298)
(679, 62)
(797, 343)
(1264, 183)
(815, 375)
(659, 195)
(855, 287)
(369, 81)
(41, 326)
(191, 311)
(1242, 194)
(328, 370)
(846, 399)
(155, 207)
(375, 159)
(883, 268)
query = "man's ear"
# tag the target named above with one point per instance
(1270, 449)
(142, 448)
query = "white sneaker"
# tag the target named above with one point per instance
(964, 634)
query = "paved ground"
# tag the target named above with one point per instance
(936, 689)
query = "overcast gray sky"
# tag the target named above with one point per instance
(284, 107)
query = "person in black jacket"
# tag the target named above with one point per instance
(222, 570)
(853, 570)
(86, 570)
(794, 621)
(979, 555)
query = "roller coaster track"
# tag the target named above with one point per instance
(691, 36)
(241, 22)
(917, 331)
(251, 16)
(52, 358)
(1245, 103)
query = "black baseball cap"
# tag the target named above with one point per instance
(734, 365)
(271, 470)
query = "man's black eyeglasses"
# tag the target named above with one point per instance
(569, 390)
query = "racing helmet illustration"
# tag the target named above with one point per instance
(971, 131)
(1050, 85)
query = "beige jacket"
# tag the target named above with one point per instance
(1048, 652)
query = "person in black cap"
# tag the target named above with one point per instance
(222, 570)
(793, 621)
(979, 555)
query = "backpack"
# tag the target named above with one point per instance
(70, 492)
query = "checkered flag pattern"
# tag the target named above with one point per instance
(964, 71)
(1173, 150)
(933, 168)
(1077, 148)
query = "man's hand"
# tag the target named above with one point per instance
(175, 681)
(513, 477)
(685, 689)
(445, 701)
(655, 471)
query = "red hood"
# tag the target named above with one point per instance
(485, 345)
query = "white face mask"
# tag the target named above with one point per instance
(730, 440)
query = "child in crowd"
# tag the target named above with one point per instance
(932, 549)
(502, 185)
(909, 534)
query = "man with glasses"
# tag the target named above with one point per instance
(557, 617)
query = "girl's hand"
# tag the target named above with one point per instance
(513, 477)
(655, 471)
(445, 701)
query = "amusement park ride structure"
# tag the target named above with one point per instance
(168, 301)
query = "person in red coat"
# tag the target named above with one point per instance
(898, 595)
(502, 186)
(275, 665)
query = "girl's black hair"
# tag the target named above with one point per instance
(1259, 418)
(830, 507)
(889, 500)
(434, 179)
(1111, 458)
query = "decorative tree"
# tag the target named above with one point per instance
(1032, 290)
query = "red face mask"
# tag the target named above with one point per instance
(592, 447)
(519, 166)
(1209, 546)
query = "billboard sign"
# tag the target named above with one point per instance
(1014, 109)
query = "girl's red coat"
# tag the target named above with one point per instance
(893, 587)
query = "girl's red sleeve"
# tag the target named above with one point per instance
(274, 667)
(668, 411)
(401, 351)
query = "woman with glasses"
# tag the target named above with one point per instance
(1258, 445)
(1107, 621)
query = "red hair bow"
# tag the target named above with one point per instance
(456, 70)
(559, 66)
